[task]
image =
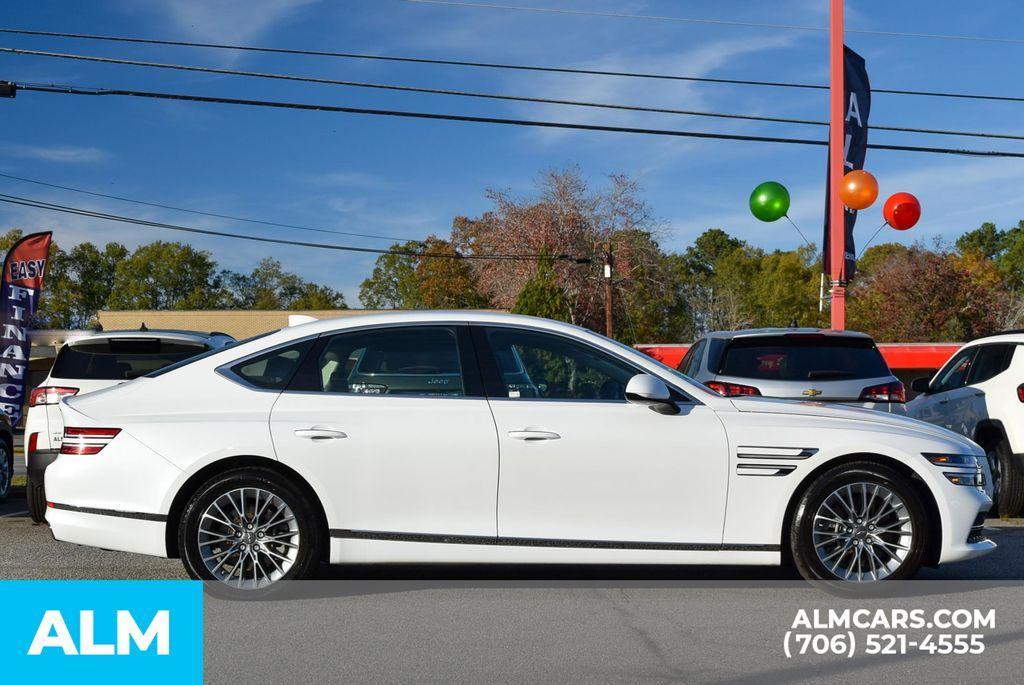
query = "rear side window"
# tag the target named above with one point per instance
(991, 361)
(800, 358)
(418, 361)
(273, 370)
(954, 374)
(120, 359)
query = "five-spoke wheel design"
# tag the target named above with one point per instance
(862, 532)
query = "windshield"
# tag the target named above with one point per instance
(120, 359)
(799, 358)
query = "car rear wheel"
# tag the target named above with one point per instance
(1008, 481)
(859, 522)
(6, 471)
(249, 529)
(36, 496)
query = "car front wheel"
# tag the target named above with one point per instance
(1008, 481)
(859, 522)
(249, 528)
(36, 496)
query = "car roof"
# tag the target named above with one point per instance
(754, 332)
(429, 316)
(164, 334)
(1016, 336)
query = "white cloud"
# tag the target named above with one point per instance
(60, 154)
(228, 21)
(349, 179)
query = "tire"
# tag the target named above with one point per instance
(1010, 499)
(257, 565)
(6, 470)
(844, 552)
(36, 496)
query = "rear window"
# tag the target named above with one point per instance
(799, 358)
(120, 359)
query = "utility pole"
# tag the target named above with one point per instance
(837, 158)
(608, 264)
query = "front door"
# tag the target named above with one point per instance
(391, 424)
(580, 463)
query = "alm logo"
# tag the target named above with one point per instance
(53, 633)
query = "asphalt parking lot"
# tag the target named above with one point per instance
(28, 551)
(547, 624)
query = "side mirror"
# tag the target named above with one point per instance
(652, 392)
(921, 385)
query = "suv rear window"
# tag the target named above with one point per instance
(120, 359)
(797, 358)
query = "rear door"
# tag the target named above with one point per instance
(391, 424)
(804, 366)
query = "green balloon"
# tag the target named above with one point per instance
(769, 201)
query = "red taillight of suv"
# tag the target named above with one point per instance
(1020, 392)
(733, 389)
(886, 392)
(87, 440)
(50, 395)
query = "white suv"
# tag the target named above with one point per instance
(980, 393)
(93, 363)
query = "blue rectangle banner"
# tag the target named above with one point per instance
(102, 631)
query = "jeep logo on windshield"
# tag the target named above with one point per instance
(438, 381)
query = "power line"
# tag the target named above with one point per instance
(77, 90)
(493, 65)
(198, 212)
(717, 22)
(490, 96)
(66, 209)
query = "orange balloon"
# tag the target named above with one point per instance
(859, 190)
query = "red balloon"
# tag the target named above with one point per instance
(902, 211)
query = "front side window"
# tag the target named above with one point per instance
(991, 361)
(419, 361)
(545, 366)
(954, 374)
(274, 369)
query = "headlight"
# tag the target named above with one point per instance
(963, 460)
(971, 474)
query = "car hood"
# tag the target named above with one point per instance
(869, 417)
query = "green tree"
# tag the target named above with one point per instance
(164, 275)
(986, 240)
(269, 286)
(542, 296)
(393, 283)
(876, 256)
(447, 282)
(708, 248)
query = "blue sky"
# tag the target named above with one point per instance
(408, 178)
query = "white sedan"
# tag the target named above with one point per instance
(460, 437)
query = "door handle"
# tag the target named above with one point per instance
(320, 434)
(531, 436)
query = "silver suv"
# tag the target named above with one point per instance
(796, 363)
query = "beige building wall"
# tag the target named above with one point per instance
(239, 323)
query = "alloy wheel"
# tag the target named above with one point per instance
(5, 472)
(248, 538)
(862, 532)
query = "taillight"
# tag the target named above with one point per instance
(1020, 392)
(33, 443)
(49, 395)
(733, 389)
(886, 392)
(87, 440)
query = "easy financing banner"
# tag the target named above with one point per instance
(22, 283)
(857, 110)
